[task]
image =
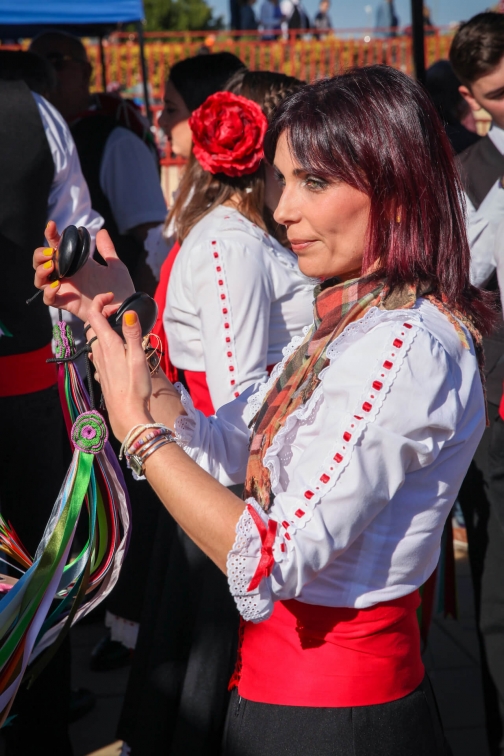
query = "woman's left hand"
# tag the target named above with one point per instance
(122, 368)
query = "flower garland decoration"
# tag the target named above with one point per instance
(56, 589)
(228, 133)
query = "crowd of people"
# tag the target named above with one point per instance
(328, 280)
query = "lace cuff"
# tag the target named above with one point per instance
(186, 425)
(250, 561)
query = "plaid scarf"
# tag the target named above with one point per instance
(336, 305)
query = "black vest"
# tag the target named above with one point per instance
(480, 166)
(26, 176)
(90, 135)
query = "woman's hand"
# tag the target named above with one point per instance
(122, 368)
(77, 293)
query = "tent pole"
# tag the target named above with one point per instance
(144, 71)
(103, 67)
(417, 27)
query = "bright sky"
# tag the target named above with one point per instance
(346, 14)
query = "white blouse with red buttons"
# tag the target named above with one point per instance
(235, 299)
(364, 474)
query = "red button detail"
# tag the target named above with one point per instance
(224, 311)
(228, 340)
(216, 254)
(282, 547)
(366, 406)
(229, 354)
(325, 478)
(218, 268)
(397, 343)
(299, 513)
(237, 393)
(287, 536)
(223, 296)
(377, 385)
(232, 383)
(347, 436)
(407, 325)
(226, 325)
(338, 457)
(231, 369)
(214, 242)
(220, 282)
(285, 524)
(308, 494)
(387, 365)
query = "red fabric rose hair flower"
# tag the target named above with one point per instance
(228, 134)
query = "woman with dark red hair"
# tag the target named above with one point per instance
(354, 450)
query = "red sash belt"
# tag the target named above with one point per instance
(321, 656)
(27, 373)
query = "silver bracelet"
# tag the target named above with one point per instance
(136, 451)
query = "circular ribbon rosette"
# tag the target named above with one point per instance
(89, 432)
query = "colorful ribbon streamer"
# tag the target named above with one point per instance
(55, 590)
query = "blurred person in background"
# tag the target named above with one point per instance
(116, 151)
(296, 17)
(477, 57)
(387, 21)
(458, 118)
(248, 17)
(40, 179)
(270, 19)
(322, 21)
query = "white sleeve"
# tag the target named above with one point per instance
(69, 202)
(130, 180)
(219, 444)
(377, 425)
(231, 290)
(481, 229)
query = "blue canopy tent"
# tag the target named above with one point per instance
(27, 18)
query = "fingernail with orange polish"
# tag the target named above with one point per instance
(48, 252)
(47, 264)
(130, 318)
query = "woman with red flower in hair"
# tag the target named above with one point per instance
(235, 295)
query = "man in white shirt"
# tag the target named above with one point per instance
(117, 153)
(477, 57)
(40, 179)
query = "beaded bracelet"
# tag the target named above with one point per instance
(137, 448)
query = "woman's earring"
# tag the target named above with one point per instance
(398, 218)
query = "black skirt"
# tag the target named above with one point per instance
(410, 726)
(177, 697)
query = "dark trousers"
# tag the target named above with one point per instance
(35, 454)
(408, 727)
(482, 500)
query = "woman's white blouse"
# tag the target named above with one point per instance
(364, 474)
(235, 298)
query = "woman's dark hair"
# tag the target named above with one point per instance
(478, 46)
(376, 129)
(198, 77)
(201, 191)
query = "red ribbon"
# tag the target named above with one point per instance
(267, 559)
